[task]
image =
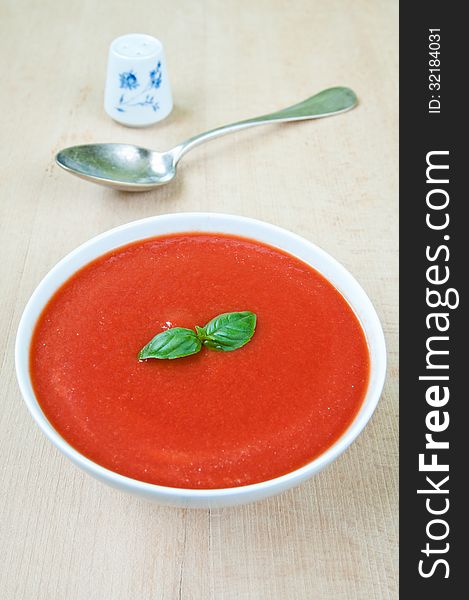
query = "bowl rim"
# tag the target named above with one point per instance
(378, 360)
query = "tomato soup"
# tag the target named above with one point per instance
(214, 419)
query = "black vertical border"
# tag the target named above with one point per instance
(420, 133)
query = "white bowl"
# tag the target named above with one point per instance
(212, 222)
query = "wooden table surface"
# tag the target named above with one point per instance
(65, 536)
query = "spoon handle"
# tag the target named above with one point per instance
(328, 102)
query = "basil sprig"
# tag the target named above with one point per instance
(226, 332)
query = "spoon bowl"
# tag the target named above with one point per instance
(134, 169)
(119, 166)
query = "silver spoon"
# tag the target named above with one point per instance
(134, 169)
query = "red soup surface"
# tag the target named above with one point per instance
(214, 419)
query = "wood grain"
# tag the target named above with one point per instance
(64, 535)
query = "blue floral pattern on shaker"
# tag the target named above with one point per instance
(129, 81)
(155, 76)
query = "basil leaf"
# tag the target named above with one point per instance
(172, 343)
(228, 331)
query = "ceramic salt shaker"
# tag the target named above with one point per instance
(137, 91)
